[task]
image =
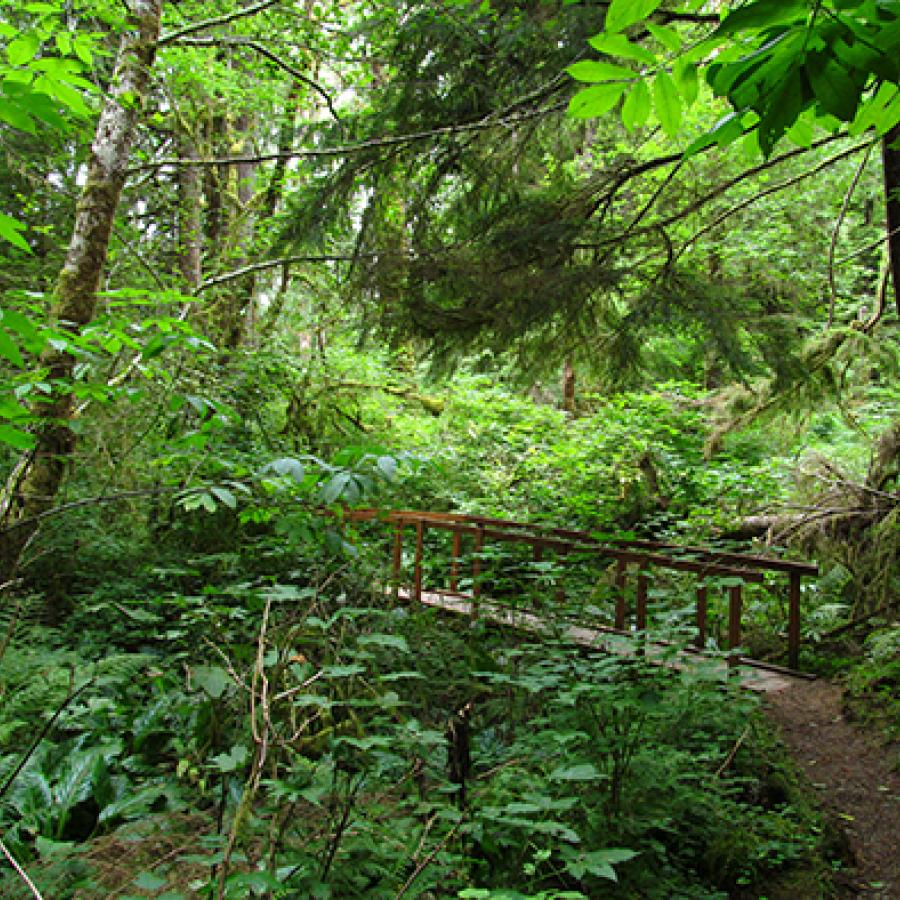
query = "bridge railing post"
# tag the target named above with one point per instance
(640, 606)
(417, 570)
(560, 595)
(456, 552)
(735, 603)
(397, 560)
(476, 568)
(621, 581)
(702, 609)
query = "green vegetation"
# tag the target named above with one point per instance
(335, 255)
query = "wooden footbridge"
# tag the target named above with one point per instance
(628, 568)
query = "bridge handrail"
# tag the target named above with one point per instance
(699, 560)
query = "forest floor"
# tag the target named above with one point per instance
(856, 778)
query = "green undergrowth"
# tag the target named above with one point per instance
(300, 736)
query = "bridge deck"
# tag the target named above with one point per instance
(606, 640)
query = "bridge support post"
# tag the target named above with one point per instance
(794, 621)
(735, 602)
(454, 561)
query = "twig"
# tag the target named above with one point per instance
(261, 740)
(230, 669)
(21, 872)
(730, 758)
(774, 189)
(866, 247)
(272, 264)
(836, 231)
(428, 859)
(342, 826)
(41, 735)
(217, 20)
(268, 54)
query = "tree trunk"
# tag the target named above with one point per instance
(190, 225)
(891, 163)
(32, 487)
(568, 387)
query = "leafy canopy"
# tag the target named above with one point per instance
(780, 64)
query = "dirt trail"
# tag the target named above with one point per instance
(853, 776)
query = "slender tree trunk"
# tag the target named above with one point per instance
(190, 225)
(568, 386)
(890, 152)
(35, 481)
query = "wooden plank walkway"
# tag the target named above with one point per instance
(602, 639)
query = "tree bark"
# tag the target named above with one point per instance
(890, 152)
(31, 488)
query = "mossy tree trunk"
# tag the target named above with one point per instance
(35, 481)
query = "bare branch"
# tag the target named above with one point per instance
(98, 501)
(273, 57)
(216, 20)
(836, 231)
(271, 264)
(774, 189)
(23, 875)
(359, 147)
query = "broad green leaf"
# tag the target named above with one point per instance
(9, 351)
(132, 804)
(14, 115)
(387, 466)
(619, 45)
(668, 37)
(13, 411)
(667, 103)
(235, 759)
(592, 70)
(225, 496)
(396, 641)
(685, 76)
(17, 438)
(622, 13)
(342, 671)
(764, 14)
(637, 106)
(9, 230)
(582, 772)
(881, 112)
(596, 101)
(23, 49)
(783, 109)
(148, 881)
(833, 87)
(802, 132)
(213, 680)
